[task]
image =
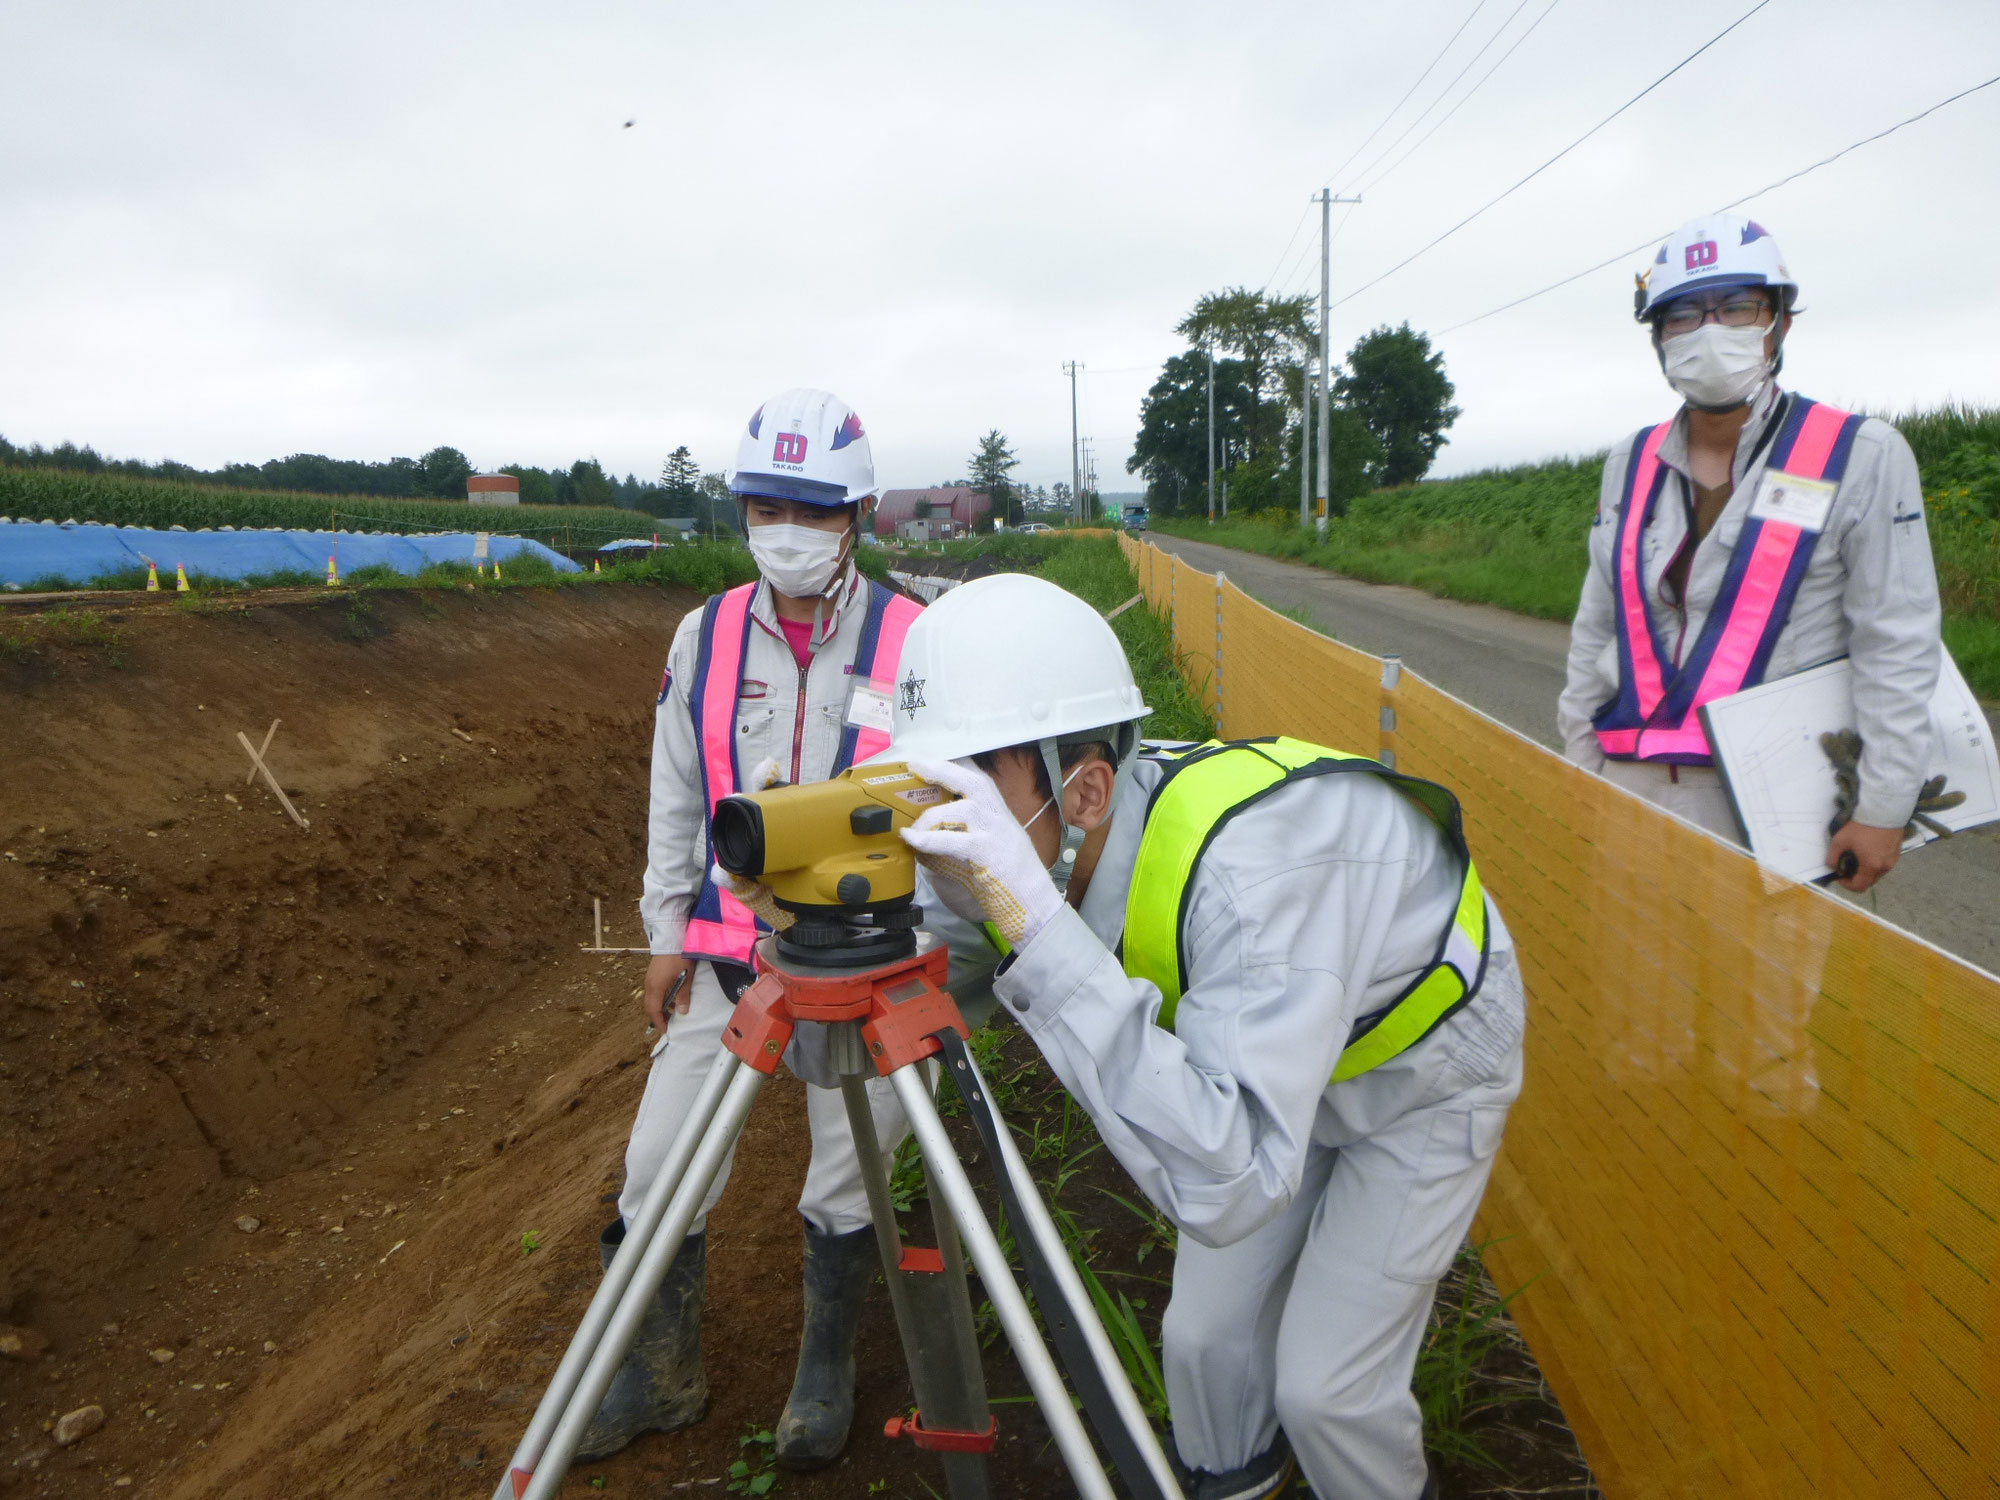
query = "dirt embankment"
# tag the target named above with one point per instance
(305, 1137)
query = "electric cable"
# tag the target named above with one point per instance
(1790, 177)
(1509, 192)
(1477, 7)
(1445, 92)
(1376, 180)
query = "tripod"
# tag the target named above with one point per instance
(890, 1017)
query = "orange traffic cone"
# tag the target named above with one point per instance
(152, 577)
(594, 567)
(496, 570)
(332, 573)
(479, 567)
(180, 579)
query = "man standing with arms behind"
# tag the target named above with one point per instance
(785, 679)
(1753, 535)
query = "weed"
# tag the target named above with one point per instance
(83, 628)
(531, 1241)
(906, 1176)
(1468, 1324)
(755, 1471)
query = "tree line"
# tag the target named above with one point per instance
(1391, 407)
(439, 475)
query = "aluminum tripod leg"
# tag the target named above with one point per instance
(1040, 1226)
(948, 1179)
(743, 1086)
(933, 1312)
(638, 1234)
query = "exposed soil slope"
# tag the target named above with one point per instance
(376, 1040)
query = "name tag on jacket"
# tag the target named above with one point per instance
(1792, 501)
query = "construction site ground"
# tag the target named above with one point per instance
(306, 1135)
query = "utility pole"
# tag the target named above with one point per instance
(1326, 202)
(1211, 434)
(1305, 438)
(1075, 462)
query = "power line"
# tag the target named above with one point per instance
(1476, 9)
(1377, 179)
(1492, 202)
(1424, 113)
(1304, 212)
(1791, 177)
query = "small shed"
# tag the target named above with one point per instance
(492, 489)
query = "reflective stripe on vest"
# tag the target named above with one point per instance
(720, 927)
(1207, 786)
(1655, 715)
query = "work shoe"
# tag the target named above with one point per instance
(1265, 1477)
(813, 1427)
(660, 1387)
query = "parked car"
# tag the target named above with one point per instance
(1035, 528)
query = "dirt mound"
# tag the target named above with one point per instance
(305, 1136)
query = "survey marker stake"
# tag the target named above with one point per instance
(257, 766)
(596, 945)
(262, 751)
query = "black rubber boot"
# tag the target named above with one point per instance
(838, 1269)
(1268, 1476)
(660, 1387)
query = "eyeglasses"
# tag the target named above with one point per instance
(1732, 309)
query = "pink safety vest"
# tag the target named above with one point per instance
(721, 928)
(1655, 715)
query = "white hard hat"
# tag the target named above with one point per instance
(1725, 250)
(804, 445)
(1009, 659)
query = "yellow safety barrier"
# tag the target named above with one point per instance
(1751, 1191)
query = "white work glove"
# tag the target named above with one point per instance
(979, 857)
(757, 896)
(763, 776)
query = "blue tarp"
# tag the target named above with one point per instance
(31, 550)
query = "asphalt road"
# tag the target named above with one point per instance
(1511, 666)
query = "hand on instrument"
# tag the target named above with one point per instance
(763, 776)
(979, 856)
(756, 895)
(1875, 852)
(669, 978)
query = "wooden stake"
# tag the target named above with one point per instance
(263, 750)
(1125, 606)
(597, 920)
(257, 765)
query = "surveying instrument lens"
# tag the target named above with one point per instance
(738, 831)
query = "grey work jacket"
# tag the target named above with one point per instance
(1310, 910)
(794, 715)
(1869, 593)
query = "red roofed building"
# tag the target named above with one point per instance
(954, 508)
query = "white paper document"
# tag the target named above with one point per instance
(1767, 745)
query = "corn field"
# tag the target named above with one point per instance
(62, 495)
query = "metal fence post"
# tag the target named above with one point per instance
(1221, 581)
(1392, 673)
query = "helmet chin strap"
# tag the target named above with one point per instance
(1069, 837)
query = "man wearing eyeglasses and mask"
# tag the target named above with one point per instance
(1753, 535)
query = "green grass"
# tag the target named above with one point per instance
(1518, 538)
(116, 499)
(1095, 571)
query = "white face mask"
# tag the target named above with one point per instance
(797, 560)
(1715, 367)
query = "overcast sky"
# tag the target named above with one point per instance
(235, 231)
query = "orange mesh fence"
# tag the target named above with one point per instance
(1751, 1191)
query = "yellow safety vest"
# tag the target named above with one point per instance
(1207, 786)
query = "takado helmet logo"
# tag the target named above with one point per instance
(789, 449)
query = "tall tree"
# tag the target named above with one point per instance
(680, 477)
(1171, 450)
(1267, 335)
(442, 472)
(990, 466)
(1399, 389)
(588, 484)
(537, 488)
